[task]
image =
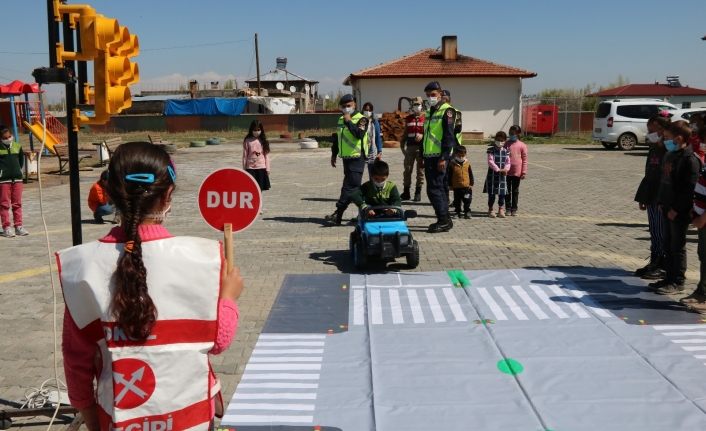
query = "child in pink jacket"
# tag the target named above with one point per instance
(517, 150)
(256, 155)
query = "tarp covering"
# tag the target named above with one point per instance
(209, 106)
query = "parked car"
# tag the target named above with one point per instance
(623, 123)
(685, 114)
(383, 237)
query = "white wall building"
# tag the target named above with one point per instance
(488, 94)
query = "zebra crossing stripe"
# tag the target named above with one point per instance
(281, 351)
(689, 333)
(275, 396)
(285, 359)
(358, 307)
(541, 315)
(548, 302)
(589, 302)
(511, 303)
(278, 385)
(395, 307)
(417, 315)
(434, 306)
(376, 305)
(289, 343)
(694, 348)
(576, 308)
(278, 376)
(240, 419)
(454, 305)
(292, 337)
(679, 327)
(690, 341)
(494, 307)
(270, 406)
(282, 367)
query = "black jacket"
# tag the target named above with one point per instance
(649, 186)
(679, 176)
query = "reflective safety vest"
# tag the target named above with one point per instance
(348, 145)
(161, 383)
(434, 131)
(458, 126)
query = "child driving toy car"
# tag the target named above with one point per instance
(378, 192)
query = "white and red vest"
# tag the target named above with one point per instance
(161, 384)
(414, 125)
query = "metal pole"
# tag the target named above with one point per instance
(29, 120)
(75, 192)
(82, 71)
(53, 31)
(13, 114)
(257, 64)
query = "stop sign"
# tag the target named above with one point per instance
(232, 196)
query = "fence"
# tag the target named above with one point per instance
(574, 116)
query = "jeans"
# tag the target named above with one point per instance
(11, 197)
(463, 195)
(352, 179)
(657, 227)
(513, 192)
(501, 200)
(675, 239)
(437, 187)
(104, 210)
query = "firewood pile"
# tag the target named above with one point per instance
(392, 125)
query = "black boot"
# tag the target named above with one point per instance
(653, 270)
(443, 225)
(335, 218)
(417, 194)
(405, 195)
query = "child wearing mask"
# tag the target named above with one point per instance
(256, 154)
(696, 124)
(697, 300)
(374, 137)
(378, 191)
(496, 179)
(646, 197)
(682, 167)
(11, 161)
(461, 182)
(517, 151)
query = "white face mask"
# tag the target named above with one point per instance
(348, 110)
(379, 185)
(417, 108)
(460, 159)
(256, 133)
(368, 113)
(8, 141)
(653, 137)
(433, 101)
(161, 216)
(499, 143)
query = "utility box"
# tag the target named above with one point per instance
(540, 119)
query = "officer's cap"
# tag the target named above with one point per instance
(345, 99)
(433, 85)
(446, 93)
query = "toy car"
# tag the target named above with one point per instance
(383, 237)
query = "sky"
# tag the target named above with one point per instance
(568, 44)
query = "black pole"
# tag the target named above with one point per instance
(82, 71)
(75, 192)
(257, 64)
(53, 32)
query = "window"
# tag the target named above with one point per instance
(685, 105)
(603, 109)
(637, 111)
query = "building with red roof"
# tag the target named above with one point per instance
(672, 91)
(487, 93)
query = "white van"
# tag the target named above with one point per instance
(623, 123)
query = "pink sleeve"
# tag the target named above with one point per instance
(524, 159)
(79, 364)
(267, 162)
(227, 325)
(245, 154)
(507, 162)
(491, 162)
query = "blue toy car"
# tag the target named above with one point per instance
(383, 237)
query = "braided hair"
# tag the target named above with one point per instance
(131, 168)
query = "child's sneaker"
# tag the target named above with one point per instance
(21, 231)
(458, 214)
(467, 215)
(7, 232)
(501, 212)
(491, 213)
(513, 213)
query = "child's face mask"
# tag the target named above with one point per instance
(8, 140)
(459, 158)
(499, 144)
(256, 133)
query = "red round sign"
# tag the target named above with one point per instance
(232, 196)
(133, 383)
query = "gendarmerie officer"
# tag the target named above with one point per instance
(351, 144)
(437, 147)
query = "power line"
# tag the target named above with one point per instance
(164, 48)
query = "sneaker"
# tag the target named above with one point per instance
(695, 298)
(441, 226)
(670, 289)
(467, 215)
(645, 269)
(501, 213)
(655, 274)
(513, 213)
(491, 213)
(657, 284)
(21, 231)
(7, 233)
(334, 218)
(98, 219)
(458, 215)
(697, 308)
(405, 196)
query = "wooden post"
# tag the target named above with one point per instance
(228, 244)
(257, 64)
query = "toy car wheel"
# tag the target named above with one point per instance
(413, 257)
(359, 257)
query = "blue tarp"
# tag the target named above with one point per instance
(210, 106)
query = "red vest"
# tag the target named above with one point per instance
(414, 125)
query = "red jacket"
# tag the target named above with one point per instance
(413, 125)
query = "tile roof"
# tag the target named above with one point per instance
(649, 90)
(430, 63)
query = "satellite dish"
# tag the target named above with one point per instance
(292, 88)
(279, 86)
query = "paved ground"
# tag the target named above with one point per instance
(576, 208)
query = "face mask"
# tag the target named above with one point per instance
(513, 138)
(653, 137)
(499, 143)
(417, 108)
(460, 159)
(161, 216)
(670, 145)
(256, 133)
(368, 113)
(433, 101)
(7, 141)
(347, 110)
(379, 185)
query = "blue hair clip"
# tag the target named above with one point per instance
(140, 178)
(172, 174)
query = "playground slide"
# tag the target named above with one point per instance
(38, 131)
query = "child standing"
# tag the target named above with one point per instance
(98, 200)
(11, 161)
(517, 150)
(374, 137)
(496, 179)
(461, 182)
(256, 154)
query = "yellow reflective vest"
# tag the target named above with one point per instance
(434, 131)
(348, 145)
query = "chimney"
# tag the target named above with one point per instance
(281, 63)
(449, 48)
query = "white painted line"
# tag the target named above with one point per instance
(548, 302)
(417, 314)
(285, 351)
(292, 336)
(278, 376)
(690, 341)
(271, 406)
(434, 306)
(396, 307)
(589, 302)
(515, 275)
(279, 385)
(576, 308)
(694, 348)
(376, 307)
(282, 367)
(454, 305)
(517, 311)
(679, 327)
(681, 334)
(358, 307)
(408, 286)
(700, 356)
(275, 396)
(286, 359)
(244, 419)
(289, 343)
(494, 307)
(541, 315)
(357, 287)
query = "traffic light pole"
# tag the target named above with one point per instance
(74, 189)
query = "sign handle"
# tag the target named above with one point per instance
(228, 244)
